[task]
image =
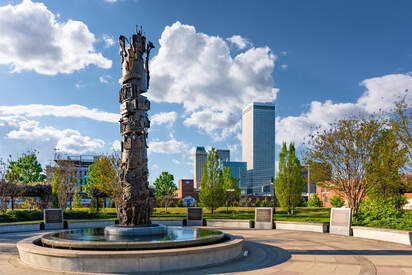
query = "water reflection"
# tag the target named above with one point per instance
(174, 233)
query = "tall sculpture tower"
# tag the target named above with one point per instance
(137, 200)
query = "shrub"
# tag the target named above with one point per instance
(249, 202)
(179, 203)
(315, 201)
(383, 210)
(337, 202)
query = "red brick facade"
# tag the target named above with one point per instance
(186, 188)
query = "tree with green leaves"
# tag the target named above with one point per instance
(211, 193)
(343, 153)
(55, 188)
(289, 181)
(103, 176)
(26, 169)
(230, 188)
(387, 157)
(165, 188)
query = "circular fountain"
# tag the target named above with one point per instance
(135, 245)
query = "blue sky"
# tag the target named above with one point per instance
(318, 61)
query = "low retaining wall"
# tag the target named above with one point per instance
(383, 234)
(168, 222)
(302, 226)
(89, 224)
(19, 227)
(229, 223)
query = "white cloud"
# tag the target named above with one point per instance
(198, 71)
(164, 118)
(175, 161)
(116, 145)
(284, 66)
(32, 38)
(239, 41)
(67, 140)
(380, 94)
(38, 110)
(283, 52)
(170, 147)
(80, 85)
(108, 40)
(105, 78)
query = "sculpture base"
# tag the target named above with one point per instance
(141, 230)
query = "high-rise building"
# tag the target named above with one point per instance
(258, 145)
(239, 172)
(223, 155)
(199, 159)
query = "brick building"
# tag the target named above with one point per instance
(187, 192)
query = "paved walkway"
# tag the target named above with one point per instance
(275, 252)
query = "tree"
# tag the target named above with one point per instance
(211, 193)
(104, 176)
(230, 188)
(337, 202)
(289, 182)
(165, 188)
(343, 151)
(401, 123)
(387, 158)
(55, 188)
(315, 201)
(26, 169)
(8, 190)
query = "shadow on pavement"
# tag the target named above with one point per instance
(258, 256)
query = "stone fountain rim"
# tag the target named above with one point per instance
(28, 245)
(124, 245)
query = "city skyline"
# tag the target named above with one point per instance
(60, 83)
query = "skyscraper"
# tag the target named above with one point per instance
(258, 145)
(223, 155)
(199, 159)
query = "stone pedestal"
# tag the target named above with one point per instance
(341, 221)
(143, 230)
(264, 218)
(194, 216)
(53, 218)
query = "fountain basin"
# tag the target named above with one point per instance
(128, 261)
(98, 239)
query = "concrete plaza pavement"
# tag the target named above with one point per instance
(273, 252)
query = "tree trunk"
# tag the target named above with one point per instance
(12, 203)
(166, 206)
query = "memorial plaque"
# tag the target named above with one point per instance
(264, 218)
(341, 221)
(194, 216)
(53, 218)
(263, 215)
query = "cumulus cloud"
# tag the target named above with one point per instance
(168, 118)
(116, 145)
(67, 140)
(32, 38)
(169, 147)
(380, 94)
(239, 41)
(108, 40)
(38, 110)
(198, 71)
(284, 66)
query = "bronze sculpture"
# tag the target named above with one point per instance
(137, 199)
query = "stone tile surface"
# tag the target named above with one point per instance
(273, 252)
